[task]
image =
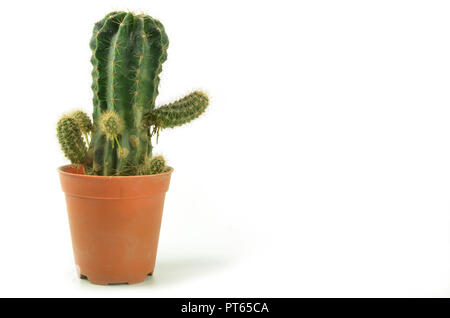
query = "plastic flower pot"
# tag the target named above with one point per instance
(114, 223)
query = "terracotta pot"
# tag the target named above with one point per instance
(114, 223)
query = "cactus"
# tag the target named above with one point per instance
(128, 51)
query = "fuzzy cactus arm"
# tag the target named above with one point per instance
(179, 112)
(70, 139)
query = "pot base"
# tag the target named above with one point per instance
(98, 281)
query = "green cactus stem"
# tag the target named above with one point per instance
(127, 55)
(71, 141)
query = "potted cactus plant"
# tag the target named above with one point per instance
(115, 187)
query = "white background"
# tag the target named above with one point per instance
(321, 168)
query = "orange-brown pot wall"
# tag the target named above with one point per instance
(114, 223)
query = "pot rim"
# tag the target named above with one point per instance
(60, 169)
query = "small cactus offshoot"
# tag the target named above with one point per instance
(71, 141)
(128, 51)
(157, 164)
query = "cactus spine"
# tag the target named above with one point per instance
(128, 51)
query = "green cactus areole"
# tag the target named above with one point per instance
(128, 51)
